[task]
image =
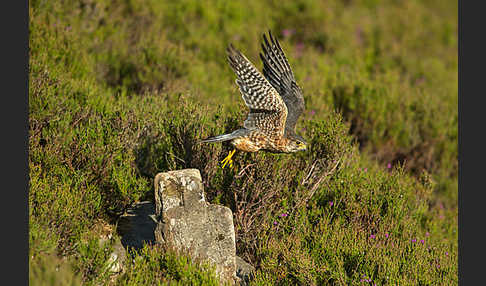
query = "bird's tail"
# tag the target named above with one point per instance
(225, 137)
(219, 138)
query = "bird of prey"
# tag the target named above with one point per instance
(274, 99)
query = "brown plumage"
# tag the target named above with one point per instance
(274, 99)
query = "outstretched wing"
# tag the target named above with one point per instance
(268, 111)
(277, 71)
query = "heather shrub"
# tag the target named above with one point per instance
(119, 91)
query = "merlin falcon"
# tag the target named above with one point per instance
(274, 99)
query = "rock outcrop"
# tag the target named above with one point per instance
(244, 271)
(182, 219)
(187, 222)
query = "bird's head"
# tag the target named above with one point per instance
(297, 143)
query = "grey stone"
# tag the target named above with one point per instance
(177, 188)
(117, 258)
(190, 224)
(183, 219)
(244, 271)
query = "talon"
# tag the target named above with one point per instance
(228, 159)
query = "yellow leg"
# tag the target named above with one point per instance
(228, 159)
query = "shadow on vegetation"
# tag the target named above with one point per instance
(137, 226)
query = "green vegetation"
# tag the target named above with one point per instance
(121, 90)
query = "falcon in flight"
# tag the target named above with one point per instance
(274, 99)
